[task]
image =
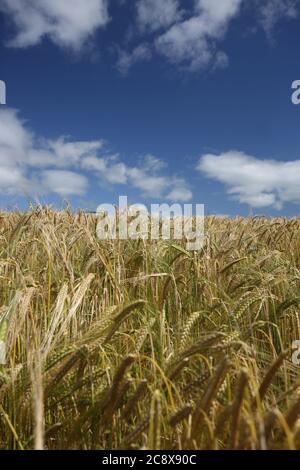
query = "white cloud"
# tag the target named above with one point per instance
(127, 59)
(64, 183)
(152, 163)
(190, 38)
(29, 164)
(149, 184)
(217, 11)
(63, 153)
(67, 23)
(258, 183)
(10, 179)
(156, 14)
(14, 141)
(107, 169)
(144, 177)
(180, 192)
(22, 155)
(193, 43)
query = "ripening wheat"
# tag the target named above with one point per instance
(140, 344)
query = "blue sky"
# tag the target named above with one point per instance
(173, 101)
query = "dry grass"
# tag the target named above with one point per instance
(139, 344)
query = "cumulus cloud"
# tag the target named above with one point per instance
(180, 192)
(12, 178)
(258, 183)
(63, 182)
(193, 43)
(23, 155)
(67, 23)
(145, 177)
(62, 153)
(35, 165)
(153, 15)
(191, 38)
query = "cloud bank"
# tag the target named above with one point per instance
(33, 165)
(188, 35)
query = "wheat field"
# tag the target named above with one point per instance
(144, 345)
